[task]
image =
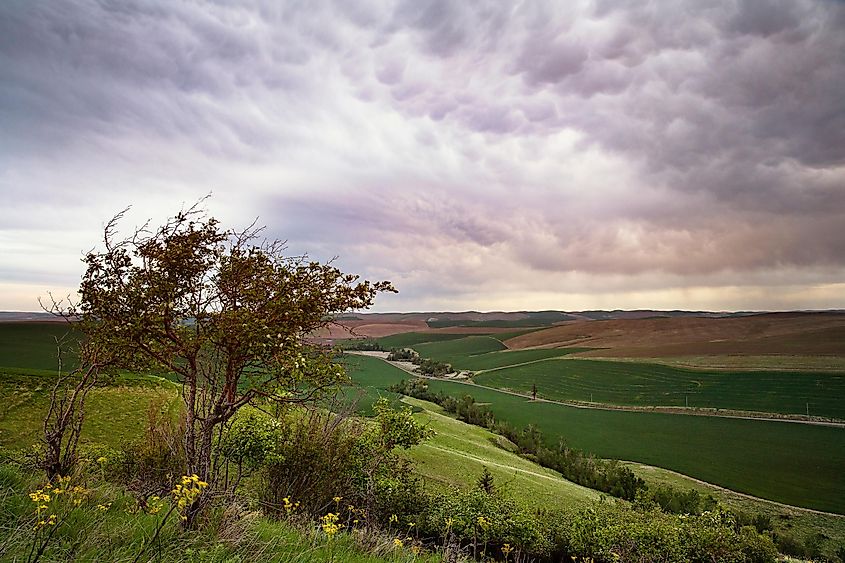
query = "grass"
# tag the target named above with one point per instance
(771, 362)
(115, 413)
(629, 383)
(504, 358)
(411, 339)
(229, 534)
(32, 344)
(450, 350)
(407, 339)
(796, 464)
(458, 454)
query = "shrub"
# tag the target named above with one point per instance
(615, 533)
(485, 522)
(323, 456)
(148, 467)
(314, 462)
(251, 439)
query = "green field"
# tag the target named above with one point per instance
(629, 383)
(483, 352)
(405, 339)
(822, 393)
(31, 344)
(412, 339)
(796, 464)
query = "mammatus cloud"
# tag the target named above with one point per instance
(483, 155)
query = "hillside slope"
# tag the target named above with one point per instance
(774, 333)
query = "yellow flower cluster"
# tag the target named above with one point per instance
(506, 550)
(483, 522)
(408, 541)
(153, 505)
(186, 492)
(290, 507)
(46, 500)
(330, 525)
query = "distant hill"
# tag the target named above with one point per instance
(22, 316)
(788, 333)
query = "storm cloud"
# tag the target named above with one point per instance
(481, 155)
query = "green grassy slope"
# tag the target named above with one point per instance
(793, 463)
(629, 383)
(457, 455)
(115, 413)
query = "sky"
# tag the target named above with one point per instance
(482, 155)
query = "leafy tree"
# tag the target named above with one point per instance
(224, 310)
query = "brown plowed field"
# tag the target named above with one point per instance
(810, 334)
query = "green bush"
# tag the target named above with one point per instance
(615, 533)
(322, 456)
(483, 523)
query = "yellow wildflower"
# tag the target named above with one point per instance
(397, 542)
(330, 525)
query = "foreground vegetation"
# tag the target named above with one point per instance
(125, 507)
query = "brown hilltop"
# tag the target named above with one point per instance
(763, 334)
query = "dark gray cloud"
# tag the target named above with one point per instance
(456, 147)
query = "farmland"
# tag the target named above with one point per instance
(791, 463)
(560, 376)
(629, 383)
(31, 344)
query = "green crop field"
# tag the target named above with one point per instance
(629, 383)
(406, 339)
(492, 360)
(793, 463)
(412, 339)
(463, 347)
(822, 393)
(31, 345)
